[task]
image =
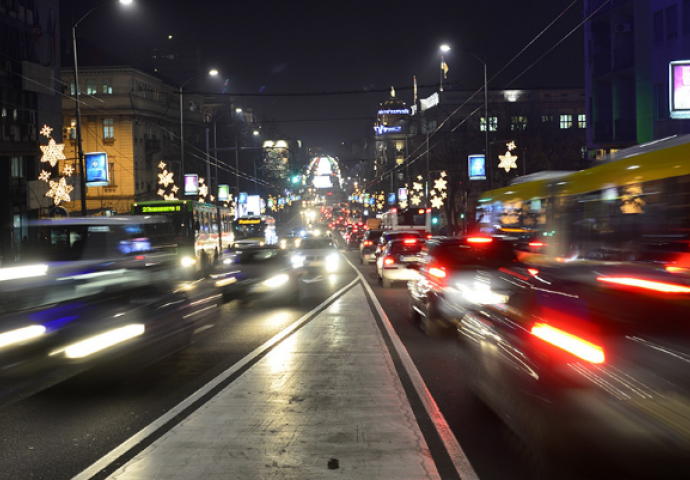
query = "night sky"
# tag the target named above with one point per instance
(366, 46)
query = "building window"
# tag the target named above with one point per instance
(17, 167)
(518, 123)
(686, 17)
(73, 129)
(671, 22)
(546, 118)
(107, 86)
(566, 121)
(493, 124)
(108, 129)
(111, 175)
(658, 27)
(582, 121)
(91, 87)
(72, 88)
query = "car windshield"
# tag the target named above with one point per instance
(317, 243)
(259, 256)
(404, 248)
(459, 254)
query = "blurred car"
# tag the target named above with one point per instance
(257, 272)
(95, 289)
(317, 256)
(367, 247)
(290, 242)
(394, 262)
(354, 239)
(589, 362)
(457, 273)
(389, 235)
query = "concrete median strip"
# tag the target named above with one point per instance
(325, 398)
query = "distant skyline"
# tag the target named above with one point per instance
(306, 46)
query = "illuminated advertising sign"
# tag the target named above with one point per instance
(249, 221)
(366, 198)
(96, 169)
(323, 181)
(402, 194)
(429, 102)
(281, 201)
(391, 198)
(477, 167)
(191, 184)
(254, 206)
(399, 111)
(243, 197)
(380, 129)
(679, 85)
(223, 192)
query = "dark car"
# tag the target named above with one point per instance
(393, 265)
(457, 273)
(589, 362)
(367, 247)
(355, 239)
(257, 273)
(389, 235)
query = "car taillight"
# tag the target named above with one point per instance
(579, 347)
(429, 236)
(533, 271)
(437, 272)
(646, 284)
(368, 243)
(537, 244)
(388, 261)
(479, 240)
(409, 241)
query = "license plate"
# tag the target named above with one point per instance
(410, 259)
(316, 264)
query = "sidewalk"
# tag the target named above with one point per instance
(324, 403)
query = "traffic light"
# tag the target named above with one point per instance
(295, 179)
(434, 220)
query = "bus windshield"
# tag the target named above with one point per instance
(250, 231)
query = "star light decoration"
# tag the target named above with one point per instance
(165, 179)
(52, 154)
(68, 170)
(403, 204)
(438, 193)
(203, 190)
(508, 160)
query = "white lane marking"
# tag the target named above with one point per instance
(146, 432)
(201, 329)
(457, 455)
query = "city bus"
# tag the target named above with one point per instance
(632, 206)
(255, 230)
(202, 230)
(407, 219)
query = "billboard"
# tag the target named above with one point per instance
(402, 194)
(323, 181)
(96, 169)
(191, 184)
(679, 86)
(223, 192)
(391, 199)
(477, 167)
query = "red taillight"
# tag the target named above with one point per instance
(409, 241)
(533, 271)
(536, 244)
(677, 269)
(646, 284)
(428, 210)
(479, 240)
(437, 272)
(570, 343)
(388, 261)
(429, 235)
(368, 243)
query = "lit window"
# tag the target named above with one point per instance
(493, 124)
(566, 121)
(108, 129)
(582, 121)
(73, 129)
(518, 123)
(91, 87)
(546, 118)
(72, 88)
(107, 86)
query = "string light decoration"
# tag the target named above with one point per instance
(52, 154)
(508, 160)
(438, 193)
(203, 190)
(403, 204)
(165, 179)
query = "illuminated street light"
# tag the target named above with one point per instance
(445, 48)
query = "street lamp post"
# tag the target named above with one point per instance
(213, 73)
(80, 148)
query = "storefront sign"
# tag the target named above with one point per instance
(96, 169)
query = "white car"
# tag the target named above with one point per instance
(317, 256)
(395, 259)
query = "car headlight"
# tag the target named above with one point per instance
(297, 261)
(317, 232)
(21, 335)
(188, 261)
(332, 262)
(283, 244)
(102, 341)
(277, 281)
(298, 242)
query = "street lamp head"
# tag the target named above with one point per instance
(238, 110)
(256, 133)
(444, 48)
(213, 72)
(126, 2)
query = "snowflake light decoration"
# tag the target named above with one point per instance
(403, 204)
(162, 165)
(165, 178)
(46, 131)
(440, 184)
(59, 191)
(44, 176)
(417, 186)
(161, 192)
(415, 200)
(420, 178)
(68, 170)
(203, 190)
(53, 152)
(511, 146)
(507, 161)
(437, 202)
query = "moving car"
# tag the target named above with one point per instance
(367, 247)
(290, 242)
(589, 362)
(457, 273)
(316, 256)
(257, 272)
(389, 235)
(394, 262)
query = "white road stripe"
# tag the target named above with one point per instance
(455, 451)
(146, 432)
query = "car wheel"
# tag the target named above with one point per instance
(414, 314)
(386, 282)
(379, 278)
